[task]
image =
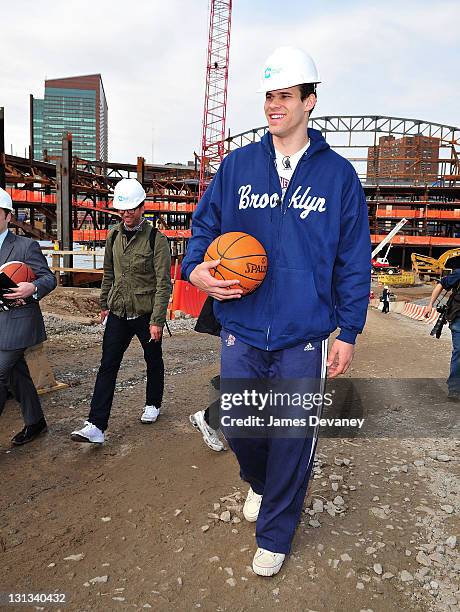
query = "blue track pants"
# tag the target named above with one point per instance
(277, 468)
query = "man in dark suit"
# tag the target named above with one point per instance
(23, 326)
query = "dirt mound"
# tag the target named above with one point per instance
(73, 302)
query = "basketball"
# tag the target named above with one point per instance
(242, 258)
(18, 272)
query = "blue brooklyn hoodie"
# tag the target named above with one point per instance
(317, 241)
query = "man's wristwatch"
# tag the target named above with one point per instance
(35, 293)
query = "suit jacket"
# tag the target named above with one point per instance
(22, 327)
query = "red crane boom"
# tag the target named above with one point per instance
(215, 100)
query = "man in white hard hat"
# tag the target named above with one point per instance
(305, 204)
(22, 326)
(134, 298)
(385, 299)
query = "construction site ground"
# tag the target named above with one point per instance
(141, 522)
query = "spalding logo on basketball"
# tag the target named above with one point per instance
(242, 258)
(18, 272)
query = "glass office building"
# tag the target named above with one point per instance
(77, 105)
(37, 115)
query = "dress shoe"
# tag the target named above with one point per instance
(30, 432)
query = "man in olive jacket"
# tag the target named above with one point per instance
(134, 298)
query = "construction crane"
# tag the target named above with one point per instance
(381, 264)
(215, 100)
(434, 268)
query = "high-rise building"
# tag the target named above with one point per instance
(77, 105)
(37, 117)
(406, 159)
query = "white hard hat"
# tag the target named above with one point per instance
(128, 194)
(286, 67)
(5, 200)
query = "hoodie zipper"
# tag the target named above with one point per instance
(284, 198)
(271, 161)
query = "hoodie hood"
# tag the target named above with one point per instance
(317, 143)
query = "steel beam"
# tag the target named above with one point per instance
(2, 148)
(31, 127)
(141, 170)
(64, 200)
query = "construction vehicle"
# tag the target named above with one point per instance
(431, 267)
(381, 265)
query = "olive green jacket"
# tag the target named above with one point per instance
(136, 283)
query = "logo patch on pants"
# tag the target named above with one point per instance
(230, 341)
(309, 347)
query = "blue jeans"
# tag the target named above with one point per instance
(453, 382)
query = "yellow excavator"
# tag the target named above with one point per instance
(434, 268)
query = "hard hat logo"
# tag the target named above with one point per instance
(270, 71)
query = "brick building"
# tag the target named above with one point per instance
(406, 159)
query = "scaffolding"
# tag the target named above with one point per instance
(35, 188)
(431, 207)
(431, 204)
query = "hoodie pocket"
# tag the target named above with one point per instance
(299, 311)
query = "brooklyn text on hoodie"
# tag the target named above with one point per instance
(300, 199)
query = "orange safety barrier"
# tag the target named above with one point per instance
(38, 197)
(90, 235)
(420, 214)
(417, 312)
(34, 197)
(177, 233)
(404, 202)
(186, 298)
(434, 316)
(444, 214)
(178, 270)
(417, 240)
(169, 207)
(398, 212)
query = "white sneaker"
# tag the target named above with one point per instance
(210, 436)
(267, 563)
(252, 506)
(88, 433)
(150, 414)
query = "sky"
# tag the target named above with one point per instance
(374, 58)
